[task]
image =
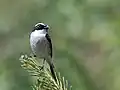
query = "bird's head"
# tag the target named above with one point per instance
(41, 26)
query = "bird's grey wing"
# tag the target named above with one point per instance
(49, 43)
(50, 51)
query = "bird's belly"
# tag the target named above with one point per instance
(40, 48)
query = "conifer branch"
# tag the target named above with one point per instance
(44, 79)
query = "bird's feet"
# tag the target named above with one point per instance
(32, 55)
(42, 67)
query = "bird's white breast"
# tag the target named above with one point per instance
(37, 35)
(39, 43)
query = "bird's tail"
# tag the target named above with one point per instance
(53, 72)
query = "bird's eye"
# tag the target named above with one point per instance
(39, 27)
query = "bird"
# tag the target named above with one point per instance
(41, 45)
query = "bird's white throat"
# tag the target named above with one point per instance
(38, 33)
(36, 36)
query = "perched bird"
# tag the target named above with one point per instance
(41, 44)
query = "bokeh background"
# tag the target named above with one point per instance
(85, 35)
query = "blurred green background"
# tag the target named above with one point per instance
(85, 35)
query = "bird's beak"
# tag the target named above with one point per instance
(46, 27)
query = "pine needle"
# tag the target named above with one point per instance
(44, 79)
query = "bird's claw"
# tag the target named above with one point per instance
(42, 67)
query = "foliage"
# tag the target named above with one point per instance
(44, 79)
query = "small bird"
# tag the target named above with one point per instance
(41, 44)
